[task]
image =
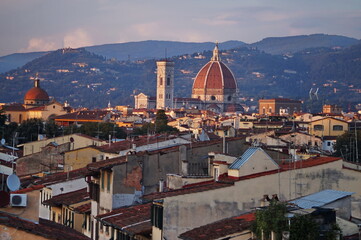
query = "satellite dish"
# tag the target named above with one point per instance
(13, 182)
(2, 142)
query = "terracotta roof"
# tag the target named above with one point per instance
(97, 115)
(68, 198)
(61, 177)
(36, 93)
(29, 189)
(214, 75)
(188, 190)
(108, 163)
(280, 100)
(44, 228)
(133, 220)
(85, 208)
(311, 162)
(187, 100)
(14, 107)
(127, 144)
(219, 229)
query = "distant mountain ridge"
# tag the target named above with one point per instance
(153, 49)
(292, 44)
(156, 49)
(126, 51)
(90, 80)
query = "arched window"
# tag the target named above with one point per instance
(160, 81)
(337, 128)
(168, 81)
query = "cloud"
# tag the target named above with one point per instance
(77, 38)
(40, 44)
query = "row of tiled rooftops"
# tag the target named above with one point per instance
(136, 219)
(44, 228)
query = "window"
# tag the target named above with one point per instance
(157, 215)
(318, 128)
(328, 144)
(229, 98)
(123, 236)
(108, 181)
(337, 128)
(168, 81)
(213, 98)
(94, 191)
(160, 96)
(102, 180)
(160, 81)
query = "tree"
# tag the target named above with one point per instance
(102, 130)
(161, 123)
(52, 129)
(2, 117)
(273, 219)
(29, 129)
(346, 146)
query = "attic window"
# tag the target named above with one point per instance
(337, 128)
(318, 128)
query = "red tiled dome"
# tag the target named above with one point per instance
(36, 93)
(215, 75)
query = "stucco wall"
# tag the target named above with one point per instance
(182, 213)
(79, 158)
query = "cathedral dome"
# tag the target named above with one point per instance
(215, 75)
(215, 81)
(36, 95)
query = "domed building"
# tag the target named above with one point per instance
(36, 104)
(36, 96)
(215, 85)
(214, 89)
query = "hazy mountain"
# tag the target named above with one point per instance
(159, 49)
(16, 60)
(87, 79)
(125, 51)
(155, 49)
(282, 45)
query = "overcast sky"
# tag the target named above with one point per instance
(38, 25)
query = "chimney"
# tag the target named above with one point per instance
(161, 185)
